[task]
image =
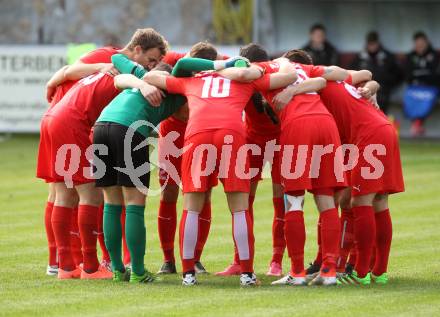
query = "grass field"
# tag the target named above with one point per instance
(414, 288)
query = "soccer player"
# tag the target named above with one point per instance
(56, 88)
(66, 128)
(216, 103)
(313, 168)
(362, 124)
(262, 129)
(167, 215)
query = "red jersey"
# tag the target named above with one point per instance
(100, 55)
(259, 123)
(215, 102)
(353, 114)
(300, 105)
(172, 58)
(86, 99)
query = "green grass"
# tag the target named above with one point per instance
(414, 288)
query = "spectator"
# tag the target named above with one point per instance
(322, 52)
(382, 64)
(422, 73)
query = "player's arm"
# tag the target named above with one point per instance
(54, 81)
(186, 66)
(309, 85)
(334, 73)
(80, 70)
(151, 93)
(369, 89)
(157, 78)
(360, 76)
(242, 74)
(286, 74)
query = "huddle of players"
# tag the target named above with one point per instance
(322, 107)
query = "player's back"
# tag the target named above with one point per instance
(259, 123)
(86, 99)
(215, 102)
(352, 113)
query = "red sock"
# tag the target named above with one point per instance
(188, 235)
(105, 255)
(365, 234)
(243, 233)
(75, 240)
(347, 238)
(384, 235)
(204, 226)
(278, 240)
(61, 218)
(295, 233)
(88, 229)
(51, 243)
(127, 258)
(330, 233)
(318, 258)
(166, 225)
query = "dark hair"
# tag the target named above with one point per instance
(420, 35)
(372, 37)
(147, 39)
(299, 56)
(317, 26)
(204, 50)
(163, 67)
(254, 53)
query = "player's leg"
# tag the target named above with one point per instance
(90, 198)
(52, 267)
(166, 224)
(243, 233)
(347, 232)
(135, 231)
(364, 234)
(330, 236)
(278, 239)
(384, 236)
(105, 259)
(205, 226)
(65, 201)
(193, 203)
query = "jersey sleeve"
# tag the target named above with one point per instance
(262, 83)
(100, 55)
(316, 71)
(186, 66)
(176, 85)
(172, 58)
(269, 67)
(126, 66)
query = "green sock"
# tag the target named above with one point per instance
(113, 235)
(135, 234)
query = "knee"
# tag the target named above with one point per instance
(170, 194)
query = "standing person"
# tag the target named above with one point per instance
(319, 48)
(306, 113)
(209, 127)
(59, 84)
(167, 214)
(422, 72)
(382, 64)
(69, 124)
(262, 129)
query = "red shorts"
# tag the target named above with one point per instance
(301, 141)
(368, 176)
(257, 162)
(206, 160)
(170, 150)
(69, 139)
